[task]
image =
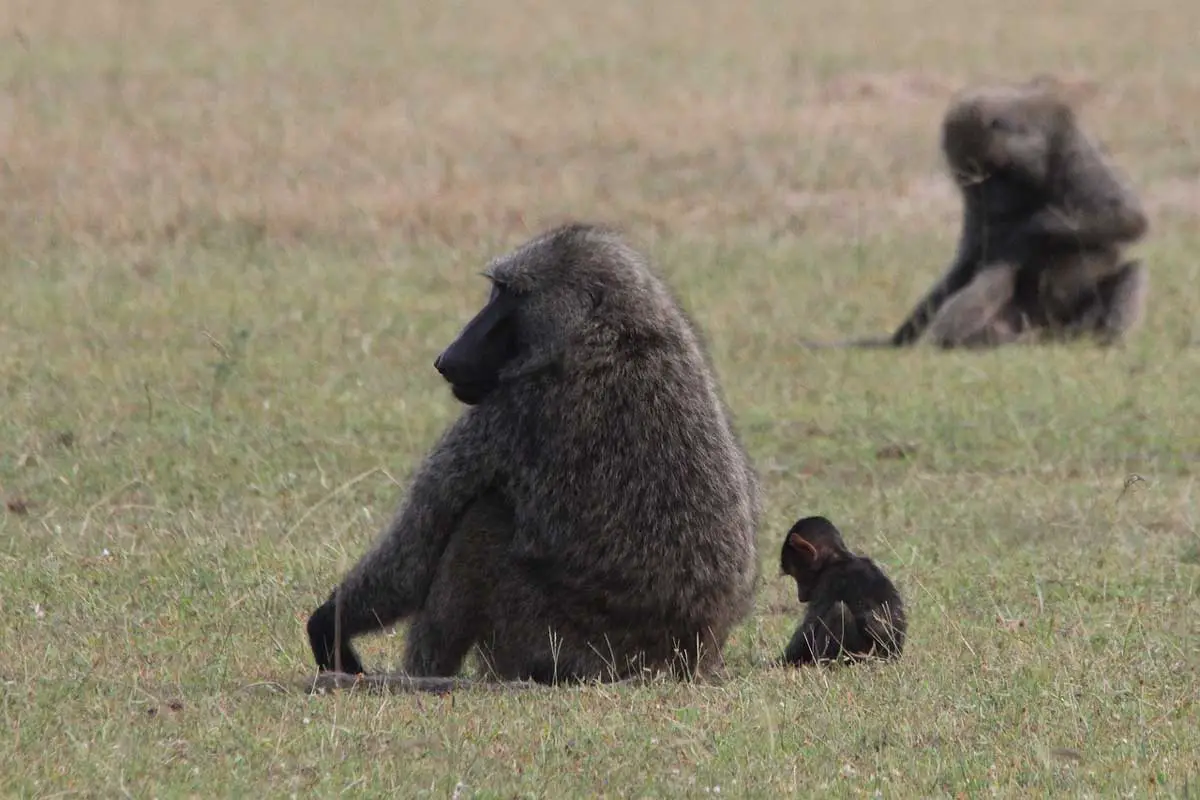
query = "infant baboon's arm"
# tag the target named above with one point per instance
(827, 633)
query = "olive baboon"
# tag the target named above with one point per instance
(1045, 220)
(854, 612)
(591, 512)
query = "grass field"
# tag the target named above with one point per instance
(235, 235)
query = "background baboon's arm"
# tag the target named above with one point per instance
(957, 276)
(1083, 224)
(1090, 204)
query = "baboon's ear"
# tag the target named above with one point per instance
(804, 549)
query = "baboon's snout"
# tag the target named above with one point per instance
(453, 370)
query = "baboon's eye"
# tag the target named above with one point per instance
(501, 288)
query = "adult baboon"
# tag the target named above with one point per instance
(1046, 218)
(590, 513)
(854, 611)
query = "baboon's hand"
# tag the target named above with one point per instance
(321, 638)
(1054, 226)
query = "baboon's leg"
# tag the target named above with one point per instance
(1000, 332)
(551, 636)
(534, 639)
(455, 614)
(882, 629)
(1010, 325)
(546, 655)
(1068, 289)
(534, 623)
(1124, 299)
(482, 595)
(967, 317)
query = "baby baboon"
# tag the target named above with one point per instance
(1045, 220)
(854, 611)
(590, 513)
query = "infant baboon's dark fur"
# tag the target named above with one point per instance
(591, 513)
(1046, 218)
(854, 611)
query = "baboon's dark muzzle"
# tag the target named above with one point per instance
(472, 362)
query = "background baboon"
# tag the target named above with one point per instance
(1045, 221)
(854, 611)
(591, 512)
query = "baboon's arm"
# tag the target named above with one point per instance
(957, 276)
(1084, 224)
(823, 635)
(391, 581)
(1091, 205)
(393, 578)
(800, 649)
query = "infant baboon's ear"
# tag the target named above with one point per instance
(814, 543)
(808, 554)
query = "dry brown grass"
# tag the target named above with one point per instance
(143, 122)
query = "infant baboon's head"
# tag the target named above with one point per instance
(811, 546)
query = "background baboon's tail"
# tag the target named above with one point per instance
(865, 342)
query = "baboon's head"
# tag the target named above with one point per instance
(1010, 130)
(810, 547)
(568, 297)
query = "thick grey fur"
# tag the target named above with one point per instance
(595, 515)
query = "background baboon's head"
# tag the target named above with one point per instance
(1007, 130)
